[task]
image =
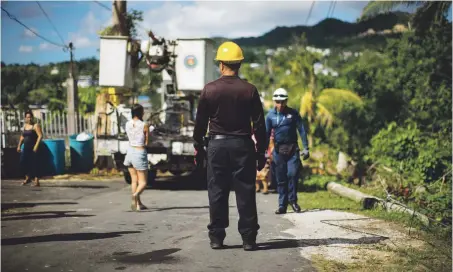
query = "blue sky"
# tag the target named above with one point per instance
(79, 22)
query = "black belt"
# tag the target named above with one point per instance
(285, 143)
(223, 137)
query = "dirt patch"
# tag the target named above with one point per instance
(346, 237)
(83, 177)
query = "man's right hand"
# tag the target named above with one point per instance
(261, 161)
(200, 154)
(18, 149)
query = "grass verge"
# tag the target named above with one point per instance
(435, 256)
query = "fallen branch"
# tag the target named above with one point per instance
(365, 200)
(369, 201)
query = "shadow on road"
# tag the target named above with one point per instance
(156, 256)
(64, 237)
(295, 243)
(41, 215)
(15, 205)
(177, 208)
(179, 183)
(76, 186)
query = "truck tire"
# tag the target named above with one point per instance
(127, 176)
(176, 172)
(152, 174)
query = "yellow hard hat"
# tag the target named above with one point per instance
(229, 52)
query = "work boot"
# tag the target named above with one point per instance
(280, 211)
(249, 246)
(216, 245)
(296, 208)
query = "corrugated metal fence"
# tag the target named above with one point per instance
(53, 125)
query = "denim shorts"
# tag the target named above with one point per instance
(136, 158)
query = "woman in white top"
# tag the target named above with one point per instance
(136, 157)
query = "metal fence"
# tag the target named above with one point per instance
(53, 125)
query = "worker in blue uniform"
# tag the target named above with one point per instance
(285, 122)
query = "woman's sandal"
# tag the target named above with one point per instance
(134, 203)
(25, 182)
(35, 184)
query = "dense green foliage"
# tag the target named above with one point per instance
(405, 122)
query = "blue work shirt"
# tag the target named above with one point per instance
(285, 125)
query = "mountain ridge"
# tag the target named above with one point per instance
(323, 33)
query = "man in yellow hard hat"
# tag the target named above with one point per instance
(231, 105)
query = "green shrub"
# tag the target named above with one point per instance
(418, 157)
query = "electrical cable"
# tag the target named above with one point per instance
(102, 5)
(50, 21)
(333, 9)
(12, 17)
(109, 9)
(327, 222)
(309, 12)
(330, 8)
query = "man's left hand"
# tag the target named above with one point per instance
(305, 154)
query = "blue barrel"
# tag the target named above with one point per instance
(82, 154)
(52, 157)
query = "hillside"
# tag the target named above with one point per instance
(327, 33)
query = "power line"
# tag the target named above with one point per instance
(333, 8)
(330, 8)
(309, 12)
(12, 17)
(102, 5)
(109, 9)
(50, 21)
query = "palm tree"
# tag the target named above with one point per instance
(321, 110)
(427, 15)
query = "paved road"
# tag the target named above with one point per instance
(87, 226)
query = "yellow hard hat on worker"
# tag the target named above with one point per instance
(229, 52)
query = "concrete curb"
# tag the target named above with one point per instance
(106, 179)
(82, 180)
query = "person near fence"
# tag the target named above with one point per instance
(136, 159)
(31, 138)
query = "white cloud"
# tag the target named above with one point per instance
(87, 35)
(80, 40)
(26, 49)
(47, 46)
(90, 24)
(235, 19)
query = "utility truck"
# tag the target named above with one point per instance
(186, 66)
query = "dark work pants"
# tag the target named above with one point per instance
(28, 163)
(287, 175)
(232, 162)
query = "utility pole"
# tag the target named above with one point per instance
(72, 96)
(108, 94)
(119, 11)
(119, 17)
